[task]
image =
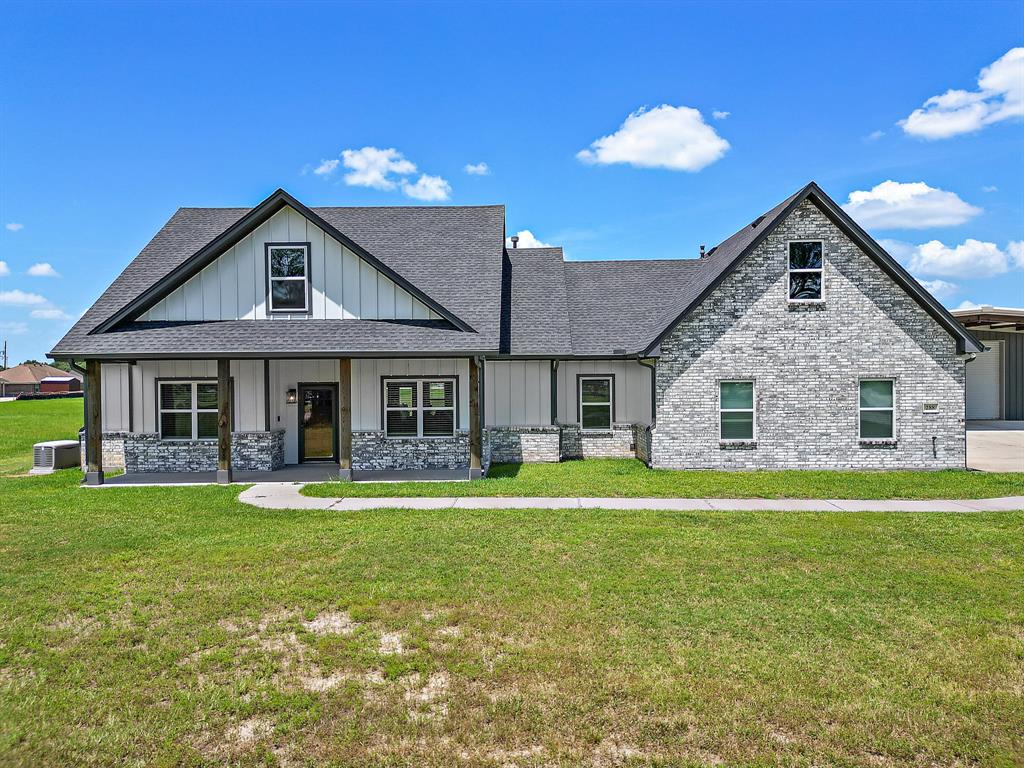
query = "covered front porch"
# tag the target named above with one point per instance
(283, 420)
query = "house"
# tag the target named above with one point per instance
(995, 380)
(60, 384)
(28, 378)
(399, 338)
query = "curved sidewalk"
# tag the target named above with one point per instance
(287, 496)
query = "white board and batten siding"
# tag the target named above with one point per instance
(518, 392)
(247, 376)
(983, 383)
(344, 287)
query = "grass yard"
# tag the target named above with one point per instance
(26, 422)
(629, 477)
(176, 626)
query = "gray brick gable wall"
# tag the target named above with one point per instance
(806, 361)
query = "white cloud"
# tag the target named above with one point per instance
(373, 167)
(1000, 96)
(20, 298)
(527, 240)
(42, 269)
(50, 314)
(4, 269)
(720, 114)
(990, 188)
(971, 259)
(1015, 250)
(670, 137)
(913, 205)
(477, 169)
(967, 304)
(427, 188)
(940, 289)
(326, 167)
(12, 328)
(14, 226)
(875, 135)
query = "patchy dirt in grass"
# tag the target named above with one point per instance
(332, 623)
(612, 752)
(391, 644)
(426, 700)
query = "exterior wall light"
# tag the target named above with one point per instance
(292, 397)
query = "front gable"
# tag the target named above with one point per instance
(342, 284)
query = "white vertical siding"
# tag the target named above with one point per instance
(114, 394)
(234, 287)
(517, 393)
(632, 389)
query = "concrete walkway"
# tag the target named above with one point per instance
(287, 496)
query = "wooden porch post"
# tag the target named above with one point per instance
(474, 420)
(223, 421)
(345, 418)
(93, 423)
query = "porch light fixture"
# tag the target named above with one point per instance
(292, 397)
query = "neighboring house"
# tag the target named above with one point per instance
(60, 384)
(29, 377)
(995, 380)
(409, 338)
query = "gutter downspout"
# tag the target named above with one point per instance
(652, 363)
(85, 396)
(967, 357)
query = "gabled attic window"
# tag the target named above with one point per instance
(288, 287)
(806, 270)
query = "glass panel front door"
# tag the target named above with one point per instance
(317, 424)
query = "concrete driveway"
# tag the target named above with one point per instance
(995, 446)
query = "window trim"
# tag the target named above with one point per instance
(580, 377)
(307, 279)
(419, 379)
(195, 410)
(891, 409)
(752, 410)
(790, 271)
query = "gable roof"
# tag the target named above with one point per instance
(432, 252)
(31, 373)
(724, 258)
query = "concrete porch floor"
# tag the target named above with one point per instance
(995, 446)
(292, 473)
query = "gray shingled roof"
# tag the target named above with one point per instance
(439, 250)
(527, 301)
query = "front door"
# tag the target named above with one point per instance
(318, 422)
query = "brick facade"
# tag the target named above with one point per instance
(614, 444)
(806, 362)
(372, 450)
(146, 452)
(524, 444)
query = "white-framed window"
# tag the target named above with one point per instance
(877, 409)
(596, 395)
(187, 410)
(416, 407)
(805, 267)
(288, 277)
(737, 418)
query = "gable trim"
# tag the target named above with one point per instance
(234, 234)
(965, 341)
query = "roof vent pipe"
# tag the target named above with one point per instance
(702, 251)
(515, 241)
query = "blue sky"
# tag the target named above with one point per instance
(597, 124)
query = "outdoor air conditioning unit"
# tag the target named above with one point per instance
(54, 454)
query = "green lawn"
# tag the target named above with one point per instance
(178, 627)
(628, 477)
(26, 422)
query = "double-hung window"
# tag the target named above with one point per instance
(877, 421)
(188, 410)
(288, 277)
(596, 397)
(419, 407)
(736, 419)
(806, 265)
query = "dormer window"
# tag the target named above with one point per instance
(288, 277)
(806, 264)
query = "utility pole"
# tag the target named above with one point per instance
(5, 355)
